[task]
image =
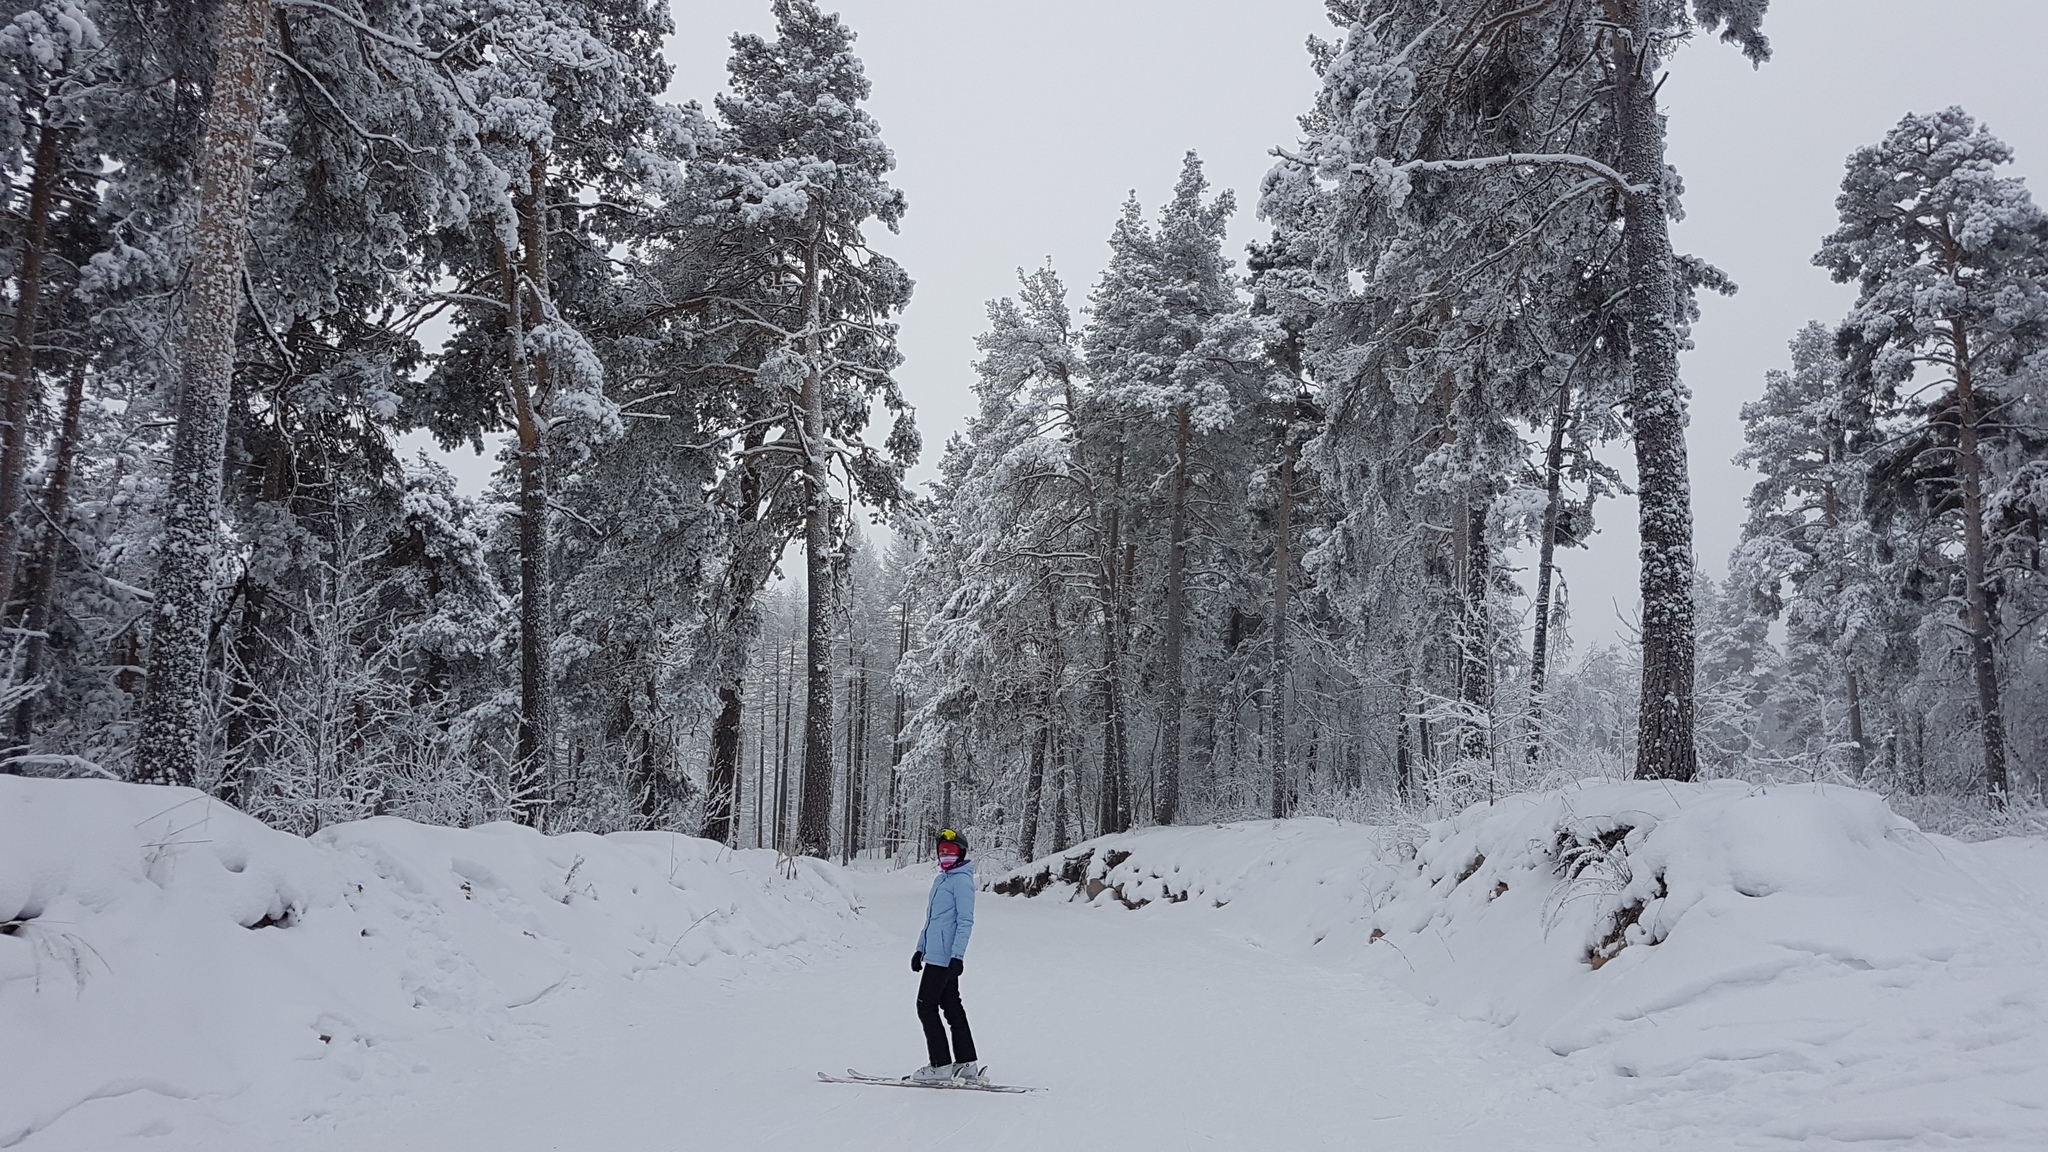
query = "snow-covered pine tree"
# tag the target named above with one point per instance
(377, 159)
(1950, 260)
(568, 134)
(53, 55)
(1012, 551)
(799, 171)
(1437, 146)
(1641, 36)
(1451, 313)
(1179, 367)
(60, 85)
(1806, 552)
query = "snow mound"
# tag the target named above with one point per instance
(158, 947)
(1756, 965)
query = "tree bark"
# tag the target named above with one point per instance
(1852, 686)
(783, 742)
(174, 727)
(894, 834)
(849, 810)
(763, 708)
(1112, 811)
(43, 574)
(1283, 572)
(529, 770)
(1983, 637)
(1167, 808)
(857, 798)
(721, 793)
(1062, 780)
(1475, 650)
(1546, 571)
(1859, 752)
(1404, 748)
(1656, 407)
(1027, 841)
(814, 818)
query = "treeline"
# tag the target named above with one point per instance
(1290, 540)
(249, 244)
(1253, 540)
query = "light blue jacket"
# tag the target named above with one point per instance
(948, 916)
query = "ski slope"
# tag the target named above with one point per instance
(593, 1015)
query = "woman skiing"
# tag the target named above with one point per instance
(941, 947)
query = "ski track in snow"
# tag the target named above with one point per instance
(1150, 1032)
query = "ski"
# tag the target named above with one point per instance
(855, 1077)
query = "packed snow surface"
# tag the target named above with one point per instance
(1707, 966)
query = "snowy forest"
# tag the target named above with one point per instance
(1284, 531)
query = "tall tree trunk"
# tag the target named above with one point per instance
(895, 833)
(1112, 809)
(1404, 749)
(1919, 751)
(858, 797)
(847, 810)
(756, 547)
(1859, 752)
(946, 788)
(1852, 686)
(1475, 650)
(529, 771)
(782, 753)
(1656, 406)
(1027, 841)
(721, 793)
(20, 397)
(763, 708)
(1546, 570)
(1166, 809)
(43, 574)
(1983, 636)
(814, 815)
(174, 706)
(1283, 573)
(1062, 781)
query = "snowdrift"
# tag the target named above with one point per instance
(1788, 963)
(158, 946)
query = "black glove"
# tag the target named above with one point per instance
(957, 966)
(917, 961)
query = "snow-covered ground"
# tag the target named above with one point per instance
(172, 969)
(1721, 964)
(1815, 974)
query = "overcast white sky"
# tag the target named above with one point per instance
(1019, 128)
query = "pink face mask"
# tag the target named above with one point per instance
(949, 858)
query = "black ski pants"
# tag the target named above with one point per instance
(938, 992)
